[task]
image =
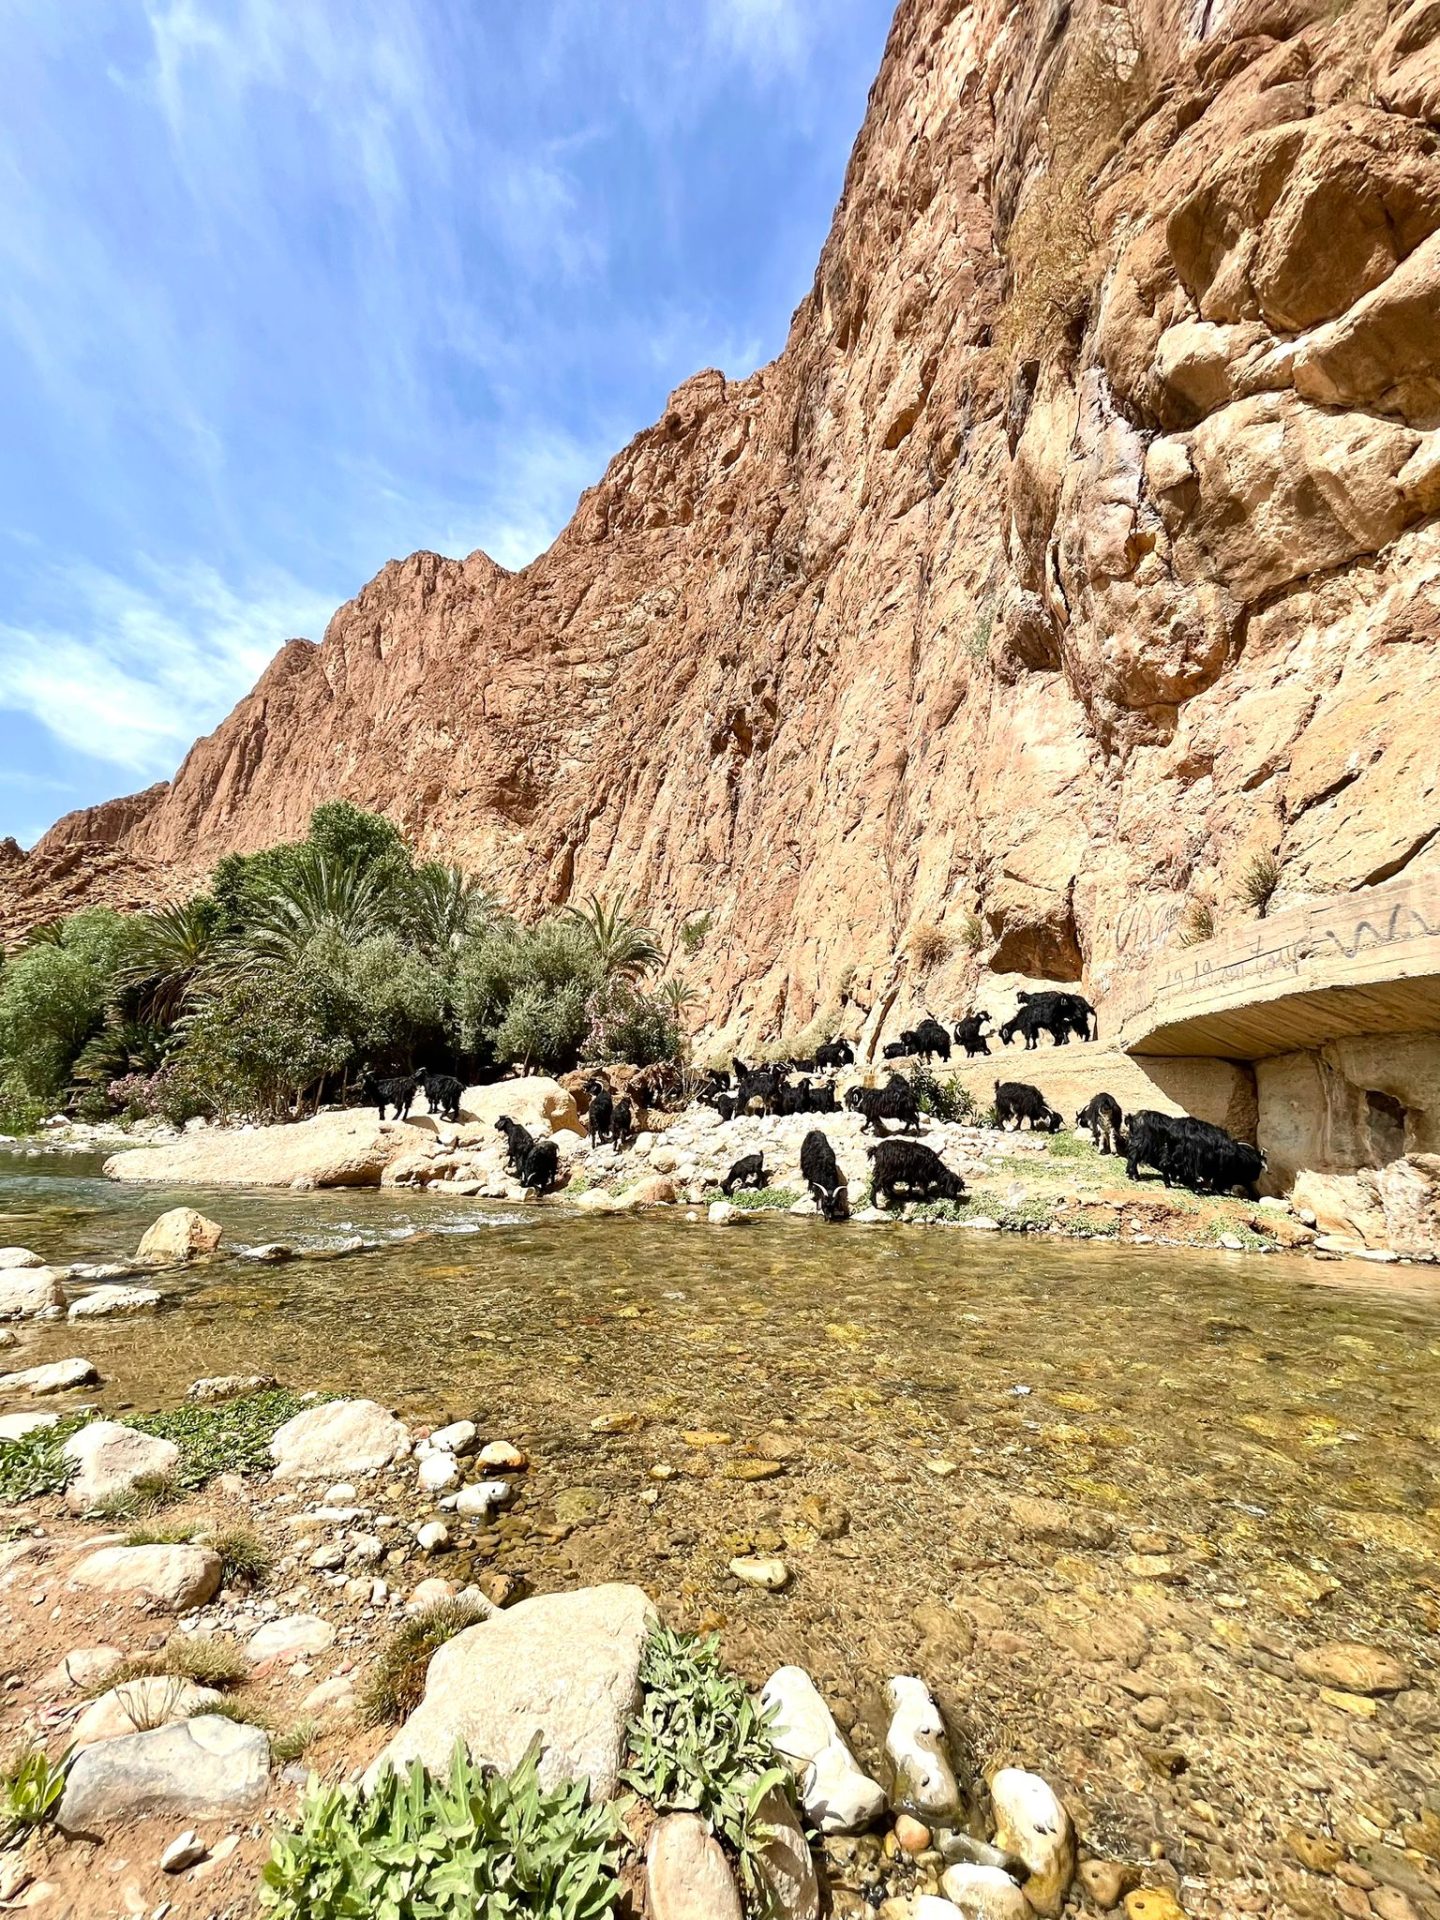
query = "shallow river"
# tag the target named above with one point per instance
(1246, 1452)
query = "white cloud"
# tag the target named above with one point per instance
(130, 674)
(771, 36)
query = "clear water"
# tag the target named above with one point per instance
(1275, 1424)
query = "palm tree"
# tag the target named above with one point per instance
(446, 908)
(319, 898)
(624, 946)
(169, 948)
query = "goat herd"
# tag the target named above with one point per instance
(1184, 1151)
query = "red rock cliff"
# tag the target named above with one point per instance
(1080, 546)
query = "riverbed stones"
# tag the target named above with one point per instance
(137, 1705)
(1054, 1520)
(984, 1893)
(686, 1875)
(458, 1438)
(186, 1850)
(1031, 1823)
(18, 1426)
(482, 1497)
(12, 1258)
(337, 1439)
(170, 1578)
(438, 1472)
(227, 1386)
(208, 1768)
(565, 1666)
(177, 1236)
(107, 1301)
(28, 1291)
(111, 1459)
(835, 1793)
(503, 1457)
(1352, 1668)
(58, 1376)
(925, 1783)
(723, 1213)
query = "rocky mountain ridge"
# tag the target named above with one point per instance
(1070, 577)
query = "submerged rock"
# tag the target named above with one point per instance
(114, 1300)
(761, 1570)
(56, 1377)
(565, 1666)
(30, 1290)
(227, 1386)
(1352, 1667)
(985, 1893)
(835, 1793)
(210, 1768)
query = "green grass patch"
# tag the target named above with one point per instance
(1073, 1146)
(30, 1790)
(473, 1842)
(397, 1680)
(701, 1742)
(37, 1464)
(233, 1437)
(1213, 1231)
(1026, 1215)
(201, 1657)
(938, 1212)
(765, 1200)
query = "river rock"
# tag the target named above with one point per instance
(184, 1851)
(565, 1666)
(500, 1454)
(172, 1578)
(57, 1377)
(985, 1893)
(27, 1291)
(179, 1235)
(481, 1497)
(274, 1253)
(13, 1257)
(785, 1861)
(138, 1705)
(210, 1768)
(835, 1793)
(1031, 1823)
(1056, 1521)
(297, 1636)
(925, 1781)
(656, 1190)
(111, 1458)
(540, 1104)
(105, 1301)
(761, 1570)
(345, 1149)
(930, 1906)
(458, 1438)
(686, 1874)
(227, 1386)
(332, 1702)
(438, 1471)
(1352, 1668)
(80, 1670)
(723, 1213)
(338, 1438)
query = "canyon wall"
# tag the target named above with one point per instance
(1070, 582)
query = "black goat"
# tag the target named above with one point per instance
(1058, 1014)
(622, 1124)
(399, 1093)
(1103, 1117)
(1192, 1153)
(821, 1174)
(725, 1105)
(442, 1093)
(601, 1110)
(907, 1165)
(534, 1163)
(835, 1054)
(969, 1034)
(895, 1049)
(519, 1142)
(823, 1099)
(928, 1039)
(1016, 1101)
(896, 1101)
(748, 1171)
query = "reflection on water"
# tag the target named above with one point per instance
(1277, 1437)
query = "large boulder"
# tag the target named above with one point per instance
(27, 1291)
(1345, 1205)
(205, 1769)
(337, 1439)
(172, 1579)
(1409, 1191)
(565, 1666)
(349, 1149)
(136, 1706)
(12, 1257)
(111, 1459)
(179, 1235)
(541, 1105)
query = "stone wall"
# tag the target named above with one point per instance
(1352, 1104)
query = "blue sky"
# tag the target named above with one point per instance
(290, 287)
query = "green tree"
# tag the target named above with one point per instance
(53, 997)
(624, 946)
(445, 908)
(261, 1043)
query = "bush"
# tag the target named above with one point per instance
(943, 1099)
(475, 1843)
(53, 995)
(1258, 881)
(625, 1024)
(397, 1680)
(930, 945)
(693, 933)
(256, 1045)
(33, 1784)
(1197, 924)
(700, 1743)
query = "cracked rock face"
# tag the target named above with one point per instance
(1049, 605)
